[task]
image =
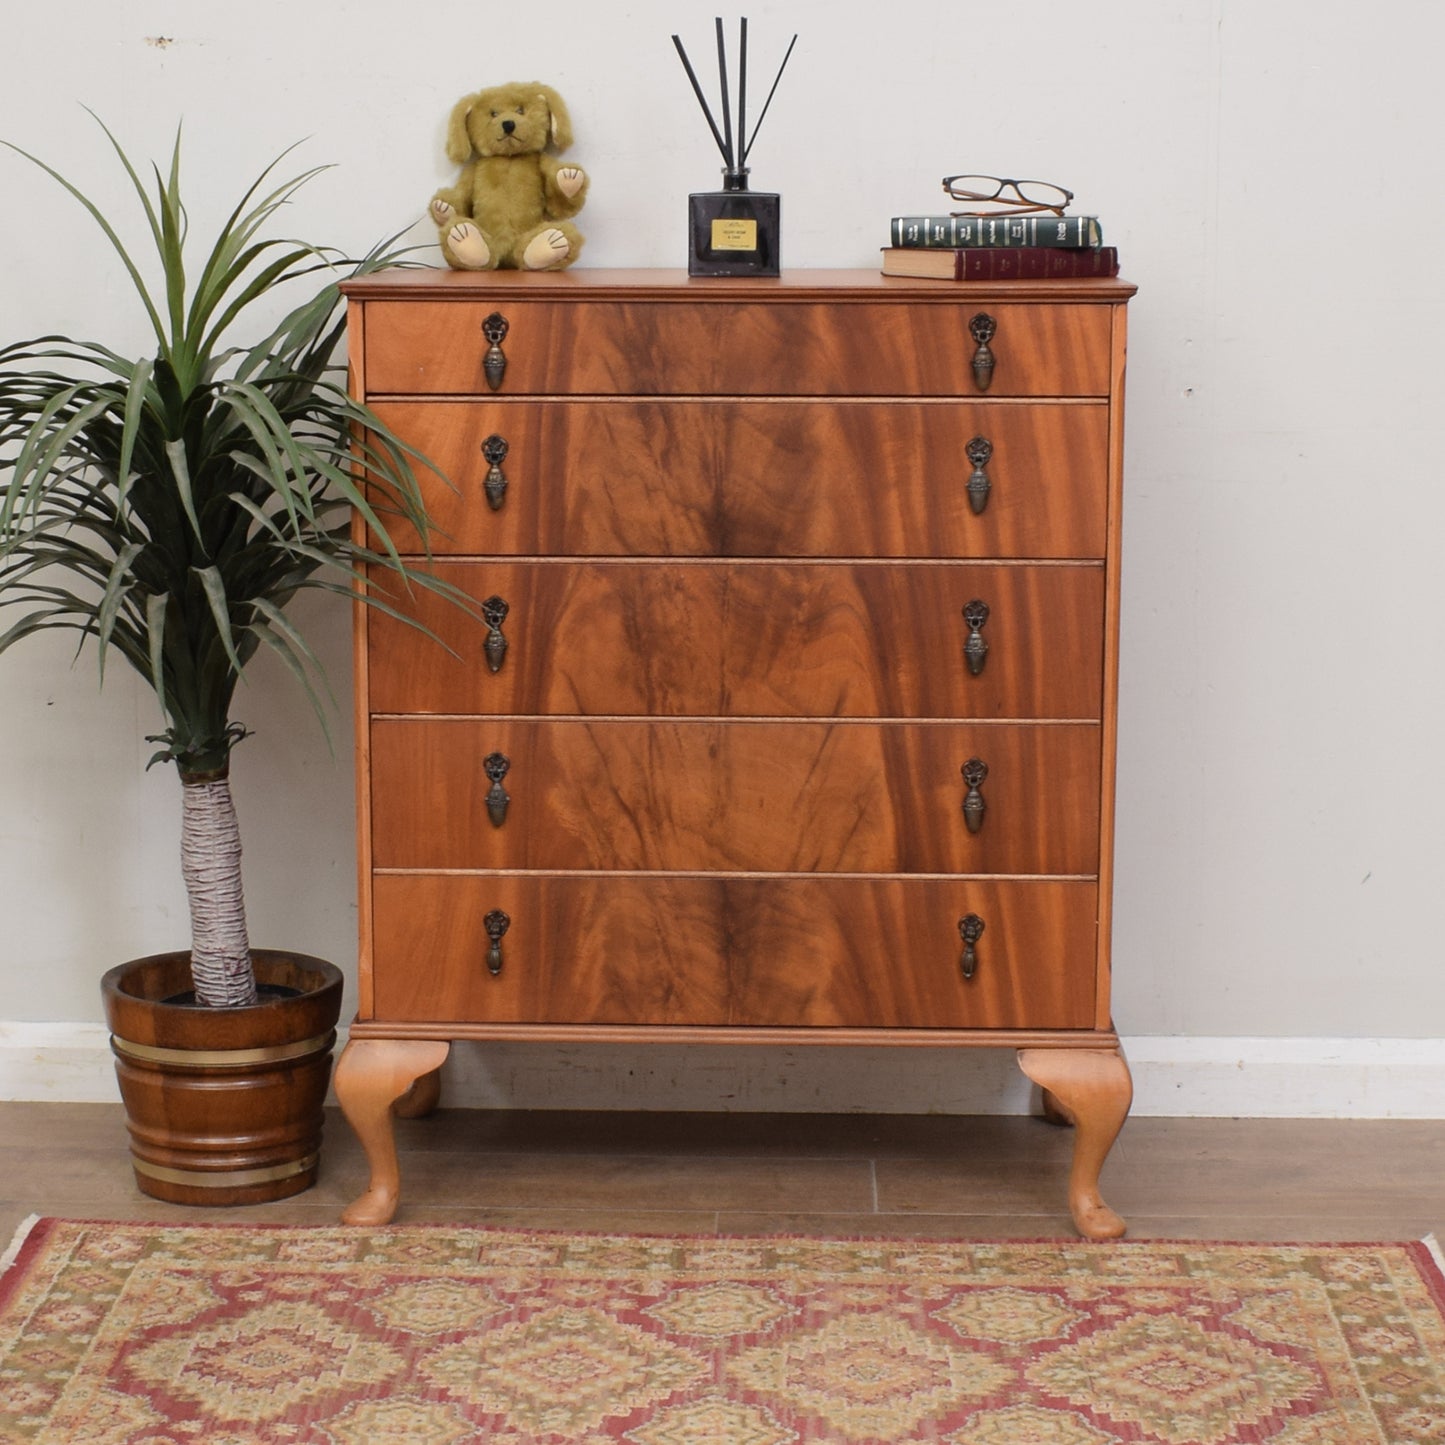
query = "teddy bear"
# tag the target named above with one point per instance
(512, 203)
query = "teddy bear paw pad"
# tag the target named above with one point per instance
(469, 246)
(547, 249)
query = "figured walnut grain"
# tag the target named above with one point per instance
(761, 478)
(771, 952)
(740, 796)
(752, 639)
(666, 348)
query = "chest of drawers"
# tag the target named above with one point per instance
(792, 716)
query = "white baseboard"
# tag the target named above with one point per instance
(57, 1063)
(1290, 1078)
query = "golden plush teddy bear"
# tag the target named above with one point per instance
(512, 203)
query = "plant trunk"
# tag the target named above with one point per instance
(211, 865)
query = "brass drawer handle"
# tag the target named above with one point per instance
(978, 451)
(982, 328)
(494, 363)
(496, 923)
(970, 929)
(495, 765)
(975, 649)
(494, 613)
(494, 451)
(974, 771)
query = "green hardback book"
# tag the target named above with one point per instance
(957, 231)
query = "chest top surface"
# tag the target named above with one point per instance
(583, 283)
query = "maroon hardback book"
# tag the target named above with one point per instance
(1000, 263)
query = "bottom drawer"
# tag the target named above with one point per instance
(809, 952)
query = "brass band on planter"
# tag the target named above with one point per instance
(222, 1058)
(224, 1178)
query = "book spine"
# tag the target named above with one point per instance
(1093, 261)
(959, 232)
(1035, 263)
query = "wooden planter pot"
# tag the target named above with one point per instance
(224, 1106)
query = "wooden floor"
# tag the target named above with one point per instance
(812, 1174)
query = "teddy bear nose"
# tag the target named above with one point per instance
(508, 126)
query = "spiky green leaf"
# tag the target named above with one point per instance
(188, 496)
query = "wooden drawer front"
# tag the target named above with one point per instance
(815, 952)
(808, 348)
(761, 479)
(746, 797)
(753, 640)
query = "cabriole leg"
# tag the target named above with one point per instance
(371, 1075)
(1090, 1089)
(421, 1099)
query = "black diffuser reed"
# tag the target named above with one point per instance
(734, 231)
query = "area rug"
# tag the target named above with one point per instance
(132, 1334)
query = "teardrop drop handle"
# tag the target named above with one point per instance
(975, 649)
(978, 451)
(974, 771)
(494, 613)
(495, 765)
(494, 451)
(496, 923)
(494, 363)
(982, 328)
(970, 929)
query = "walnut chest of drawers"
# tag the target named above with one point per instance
(791, 718)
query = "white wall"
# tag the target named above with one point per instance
(1270, 171)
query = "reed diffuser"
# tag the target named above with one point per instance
(734, 231)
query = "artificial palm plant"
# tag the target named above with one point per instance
(170, 507)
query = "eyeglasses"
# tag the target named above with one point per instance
(1006, 197)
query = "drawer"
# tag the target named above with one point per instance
(814, 952)
(740, 797)
(808, 348)
(763, 479)
(742, 639)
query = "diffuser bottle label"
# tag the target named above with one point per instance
(735, 234)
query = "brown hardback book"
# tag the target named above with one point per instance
(1000, 263)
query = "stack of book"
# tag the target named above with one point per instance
(998, 248)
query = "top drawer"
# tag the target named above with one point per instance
(631, 348)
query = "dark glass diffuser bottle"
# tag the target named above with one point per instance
(734, 231)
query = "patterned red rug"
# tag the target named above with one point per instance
(131, 1334)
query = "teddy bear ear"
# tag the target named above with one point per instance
(561, 121)
(459, 142)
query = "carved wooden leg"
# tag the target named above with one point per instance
(419, 1100)
(371, 1075)
(1091, 1089)
(1054, 1112)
